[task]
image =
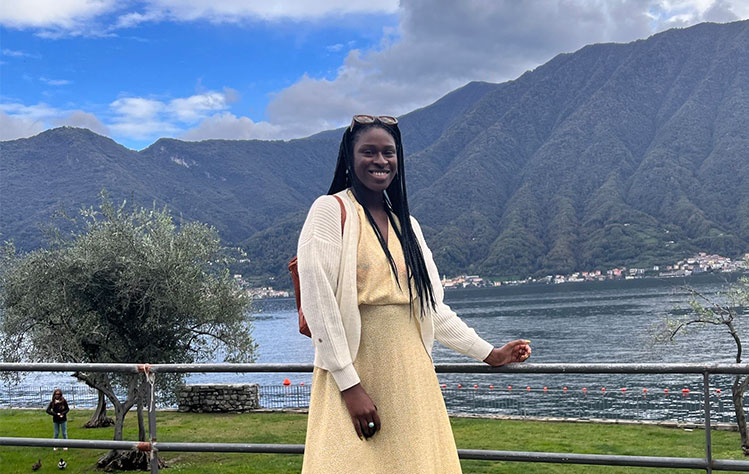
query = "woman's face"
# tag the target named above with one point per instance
(58, 394)
(375, 159)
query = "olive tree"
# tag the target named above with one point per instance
(130, 285)
(706, 311)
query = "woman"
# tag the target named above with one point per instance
(374, 304)
(58, 408)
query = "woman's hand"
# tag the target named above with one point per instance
(362, 410)
(514, 351)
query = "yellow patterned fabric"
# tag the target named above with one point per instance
(397, 373)
(375, 282)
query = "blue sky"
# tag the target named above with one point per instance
(137, 70)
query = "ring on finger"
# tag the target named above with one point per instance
(371, 424)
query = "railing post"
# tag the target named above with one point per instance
(154, 452)
(708, 441)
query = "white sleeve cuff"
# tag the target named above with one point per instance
(480, 350)
(345, 377)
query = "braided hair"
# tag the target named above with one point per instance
(395, 201)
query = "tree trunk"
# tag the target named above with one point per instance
(119, 421)
(141, 424)
(128, 460)
(100, 419)
(738, 389)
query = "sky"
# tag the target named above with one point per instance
(138, 70)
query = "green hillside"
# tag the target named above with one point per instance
(617, 154)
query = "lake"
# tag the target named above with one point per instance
(609, 321)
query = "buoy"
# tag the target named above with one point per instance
(623, 389)
(491, 387)
(528, 388)
(475, 386)
(460, 386)
(444, 385)
(286, 382)
(564, 389)
(717, 390)
(684, 391)
(509, 387)
(301, 383)
(665, 390)
(546, 389)
(585, 390)
(603, 389)
(644, 390)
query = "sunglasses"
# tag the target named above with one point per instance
(367, 119)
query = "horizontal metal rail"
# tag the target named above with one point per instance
(470, 368)
(150, 371)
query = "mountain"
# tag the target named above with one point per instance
(617, 154)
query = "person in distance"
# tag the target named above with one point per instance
(58, 409)
(373, 301)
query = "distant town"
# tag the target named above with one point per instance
(261, 292)
(700, 263)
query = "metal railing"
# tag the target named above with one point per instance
(153, 447)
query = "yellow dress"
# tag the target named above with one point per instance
(396, 372)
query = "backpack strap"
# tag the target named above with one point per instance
(343, 212)
(303, 327)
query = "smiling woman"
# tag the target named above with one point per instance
(374, 305)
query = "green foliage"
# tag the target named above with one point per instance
(128, 286)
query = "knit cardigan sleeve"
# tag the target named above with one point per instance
(449, 329)
(319, 259)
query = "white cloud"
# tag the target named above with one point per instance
(675, 13)
(143, 129)
(18, 120)
(39, 112)
(19, 54)
(193, 108)
(83, 119)
(137, 108)
(144, 118)
(474, 40)
(228, 126)
(56, 18)
(13, 127)
(65, 14)
(236, 10)
(55, 82)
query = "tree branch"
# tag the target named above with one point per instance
(106, 389)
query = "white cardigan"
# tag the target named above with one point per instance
(327, 279)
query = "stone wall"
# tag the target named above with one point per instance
(212, 398)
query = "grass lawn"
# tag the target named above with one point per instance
(290, 428)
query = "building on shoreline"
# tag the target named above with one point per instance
(698, 264)
(467, 281)
(259, 292)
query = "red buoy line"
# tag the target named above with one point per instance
(624, 390)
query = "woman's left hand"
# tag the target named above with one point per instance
(514, 351)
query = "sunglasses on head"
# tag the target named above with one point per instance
(367, 119)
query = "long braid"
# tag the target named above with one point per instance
(396, 200)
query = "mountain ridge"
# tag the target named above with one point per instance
(617, 154)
